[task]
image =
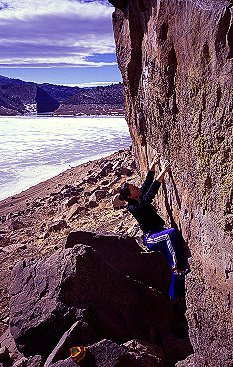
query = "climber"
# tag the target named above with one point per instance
(155, 236)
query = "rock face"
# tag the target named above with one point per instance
(176, 60)
(81, 295)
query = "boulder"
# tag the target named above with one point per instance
(123, 171)
(57, 226)
(87, 193)
(92, 203)
(48, 296)
(117, 203)
(68, 362)
(16, 224)
(109, 354)
(7, 340)
(74, 210)
(106, 353)
(91, 180)
(4, 355)
(69, 191)
(106, 169)
(144, 354)
(105, 182)
(125, 255)
(176, 61)
(80, 333)
(35, 361)
(97, 196)
(188, 362)
(71, 201)
(102, 354)
(23, 362)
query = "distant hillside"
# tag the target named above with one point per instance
(59, 92)
(96, 100)
(19, 98)
(111, 94)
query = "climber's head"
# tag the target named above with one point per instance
(129, 191)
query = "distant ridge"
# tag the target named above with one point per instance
(18, 97)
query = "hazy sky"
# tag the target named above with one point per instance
(57, 41)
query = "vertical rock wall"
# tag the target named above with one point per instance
(176, 60)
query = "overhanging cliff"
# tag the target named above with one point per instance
(176, 60)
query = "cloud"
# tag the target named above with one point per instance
(44, 34)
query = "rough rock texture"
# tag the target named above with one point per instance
(105, 353)
(33, 223)
(176, 60)
(77, 296)
(125, 255)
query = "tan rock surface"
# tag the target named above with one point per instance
(176, 59)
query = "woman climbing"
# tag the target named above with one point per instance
(155, 236)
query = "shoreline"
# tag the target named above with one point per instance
(67, 142)
(36, 222)
(52, 183)
(60, 171)
(64, 116)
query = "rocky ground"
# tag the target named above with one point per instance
(74, 271)
(37, 221)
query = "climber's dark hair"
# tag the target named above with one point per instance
(124, 192)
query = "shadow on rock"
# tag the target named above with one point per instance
(103, 292)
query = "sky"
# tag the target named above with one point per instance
(67, 42)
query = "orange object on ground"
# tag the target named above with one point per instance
(78, 353)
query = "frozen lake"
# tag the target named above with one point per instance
(33, 149)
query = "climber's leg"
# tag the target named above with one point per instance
(167, 242)
(177, 287)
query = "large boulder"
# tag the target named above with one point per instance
(125, 255)
(49, 296)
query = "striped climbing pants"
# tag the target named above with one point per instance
(167, 242)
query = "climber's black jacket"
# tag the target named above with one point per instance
(143, 211)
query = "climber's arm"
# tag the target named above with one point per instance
(165, 168)
(150, 175)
